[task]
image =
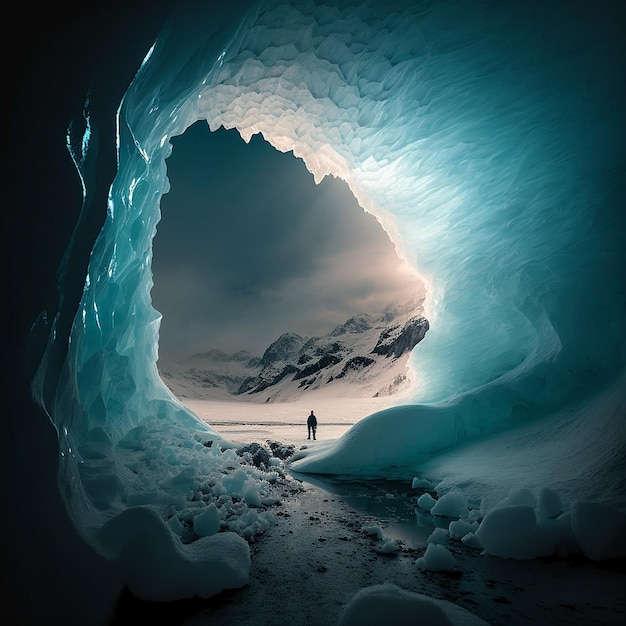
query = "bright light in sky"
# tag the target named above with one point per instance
(237, 265)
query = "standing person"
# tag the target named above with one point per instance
(311, 425)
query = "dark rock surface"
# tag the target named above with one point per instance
(397, 340)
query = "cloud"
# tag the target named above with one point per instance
(248, 247)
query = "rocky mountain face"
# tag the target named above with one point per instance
(365, 356)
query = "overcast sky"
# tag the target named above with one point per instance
(248, 247)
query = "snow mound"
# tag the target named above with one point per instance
(372, 606)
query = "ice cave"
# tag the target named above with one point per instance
(488, 140)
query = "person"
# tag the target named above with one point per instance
(311, 424)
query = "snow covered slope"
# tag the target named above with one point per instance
(364, 357)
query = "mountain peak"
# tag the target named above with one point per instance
(356, 324)
(283, 349)
(365, 356)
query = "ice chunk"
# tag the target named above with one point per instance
(439, 536)
(426, 502)
(208, 522)
(549, 504)
(421, 483)
(437, 558)
(459, 528)
(450, 505)
(511, 531)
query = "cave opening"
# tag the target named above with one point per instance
(499, 161)
(237, 266)
(457, 182)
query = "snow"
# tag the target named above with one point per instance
(549, 504)
(512, 531)
(243, 502)
(219, 493)
(366, 357)
(374, 605)
(157, 566)
(257, 421)
(505, 197)
(222, 498)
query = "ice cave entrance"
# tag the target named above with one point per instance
(112, 384)
(239, 269)
(452, 154)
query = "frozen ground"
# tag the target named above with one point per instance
(308, 566)
(285, 422)
(330, 540)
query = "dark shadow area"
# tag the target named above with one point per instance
(131, 611)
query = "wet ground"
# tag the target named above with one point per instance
(311, 562)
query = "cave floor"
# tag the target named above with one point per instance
(308, 565)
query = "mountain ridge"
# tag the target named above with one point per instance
(366, 356)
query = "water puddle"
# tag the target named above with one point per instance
(390, 504)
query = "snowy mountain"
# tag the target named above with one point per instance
(364, 357)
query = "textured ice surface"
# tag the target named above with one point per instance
(484, 137)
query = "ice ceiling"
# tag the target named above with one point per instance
(485, 137)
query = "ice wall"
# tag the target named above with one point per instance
(484, 140)
(485, 137)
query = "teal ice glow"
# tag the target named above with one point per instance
(487, 139)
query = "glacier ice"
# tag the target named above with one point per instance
(489, 145)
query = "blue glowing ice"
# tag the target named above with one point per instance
(486, 141)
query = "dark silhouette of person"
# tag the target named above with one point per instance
(311, 425)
